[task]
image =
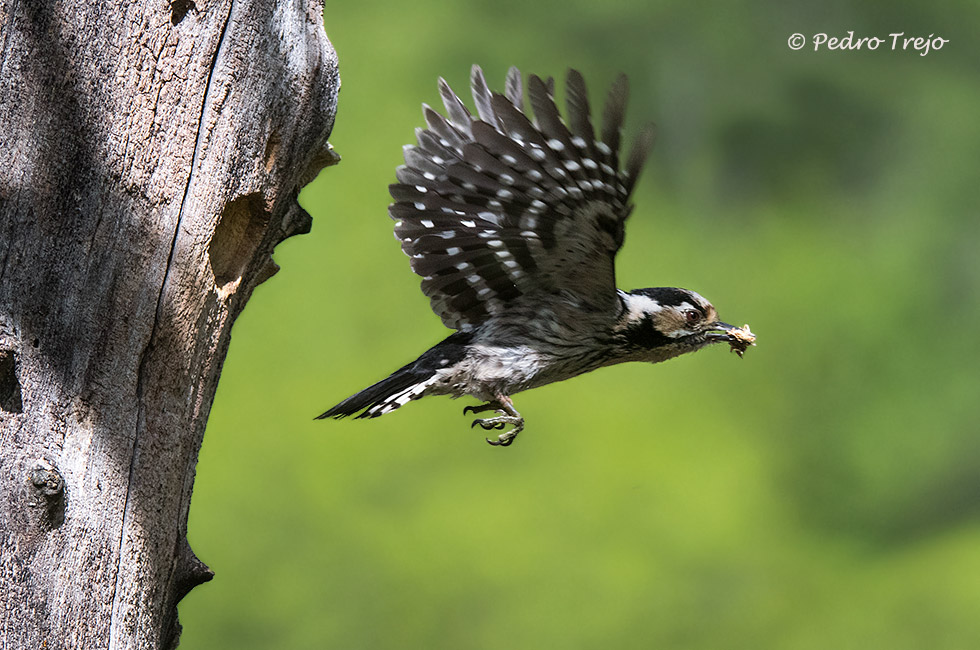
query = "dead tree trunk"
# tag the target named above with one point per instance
(150, 158)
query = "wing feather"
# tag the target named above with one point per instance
(495, 210)
(514, 88)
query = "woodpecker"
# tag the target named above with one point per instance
(513, 222)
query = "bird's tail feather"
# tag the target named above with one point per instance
(405, 384)
(402, 386)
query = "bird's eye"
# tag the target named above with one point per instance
(693, 316)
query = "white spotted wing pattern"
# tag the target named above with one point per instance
(499, 208)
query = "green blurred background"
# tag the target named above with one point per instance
(824, 492)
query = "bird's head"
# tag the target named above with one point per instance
(663, 322)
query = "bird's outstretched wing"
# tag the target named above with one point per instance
(498, 208)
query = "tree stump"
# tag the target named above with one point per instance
(150, 159)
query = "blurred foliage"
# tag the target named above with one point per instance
(824, 492)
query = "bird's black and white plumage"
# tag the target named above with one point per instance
(513, 222)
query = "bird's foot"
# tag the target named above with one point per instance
(507, 415)
(499, 422)
(489, 406)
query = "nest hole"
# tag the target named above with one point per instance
(236, 237)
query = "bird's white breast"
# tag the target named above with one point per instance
(488, 371)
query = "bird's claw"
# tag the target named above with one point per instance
(507, 415)
(505, 439)
(498, 423)
(487, 424)
(490, 406)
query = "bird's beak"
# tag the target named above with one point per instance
(739, 338)
(719, 331)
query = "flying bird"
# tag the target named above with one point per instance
(513, 222)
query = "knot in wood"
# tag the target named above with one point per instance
(46, 478)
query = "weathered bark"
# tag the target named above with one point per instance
(150, 159)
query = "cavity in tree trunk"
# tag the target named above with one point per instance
(150, 159)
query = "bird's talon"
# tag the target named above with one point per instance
(506, 415)
(503, 440)
(489, 406)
